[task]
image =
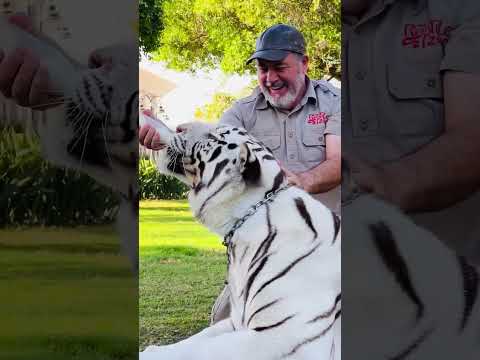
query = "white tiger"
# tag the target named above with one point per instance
(283, 253)
(408, 296)
(94, 128)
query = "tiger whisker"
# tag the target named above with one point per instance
(82, 129)
(86, 138)
(104, 130)
(59, 102)
(79, 121)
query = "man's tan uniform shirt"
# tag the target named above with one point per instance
(297, 138)
(394, 59)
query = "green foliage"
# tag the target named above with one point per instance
(150, 18)
(206, 33)
(154, 185)
(34, 192)
(211, 112)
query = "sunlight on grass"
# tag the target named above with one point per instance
(170, 223)
(182, 271)
(73, 297)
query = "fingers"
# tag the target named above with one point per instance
(22, 21)
(9, 67)
(38, 95)
(148, 112)
(149, 138)
(22, 85)
(142, 133)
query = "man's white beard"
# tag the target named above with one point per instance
(284, 102)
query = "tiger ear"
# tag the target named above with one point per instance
(249, 165)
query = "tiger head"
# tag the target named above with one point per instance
(96, 128)
(103, 109)
(225, 168)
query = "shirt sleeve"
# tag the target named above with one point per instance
(232, 117)
(334, 123)
(462, 51)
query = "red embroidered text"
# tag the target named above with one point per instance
(425, 35)
(315, 119)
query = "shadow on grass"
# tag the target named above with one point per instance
(71, 347)
(63, 248)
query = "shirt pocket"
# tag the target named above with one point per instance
(272, 141)
(418, 95)
(313, 141)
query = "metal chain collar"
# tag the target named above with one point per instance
(269, 198)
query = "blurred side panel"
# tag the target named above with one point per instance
(411, 181)
(68, 180)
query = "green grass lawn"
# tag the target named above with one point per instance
(66, 294)
(182, 270)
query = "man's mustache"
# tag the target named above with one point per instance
(276, 84)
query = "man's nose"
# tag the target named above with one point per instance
(272, 76)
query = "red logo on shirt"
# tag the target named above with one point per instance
(316, 119)
(426, 35)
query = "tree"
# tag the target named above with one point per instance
(208, 33)
(150, 18)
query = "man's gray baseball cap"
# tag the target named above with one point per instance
(277, 42)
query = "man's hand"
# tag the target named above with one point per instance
(323, 177)
(148, 137)
(301, 180)
(22, 76)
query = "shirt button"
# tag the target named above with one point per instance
(290, 134)
(360, 75)
(363, 124)
(431, 83)
(292, 156)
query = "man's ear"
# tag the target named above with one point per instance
(249, 165)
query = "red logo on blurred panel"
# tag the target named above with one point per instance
(435, 32)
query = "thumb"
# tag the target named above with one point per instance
(148, 112)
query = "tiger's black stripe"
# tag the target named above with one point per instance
(264, 307)
(405, 353)
(276, 183)
(310, 340)
(388, 250)
(470, 289)
(244, 253)
(273, 326)
(268, 157)
(218, 169)
(201, 166)
(194, 149)
(336, 224)
(272, 233)
(125, 124)
(285, 271)
(100, 86)
(328, 313)
(215, 154)
(248, 287)
(266, 243)
(202, 207)
(302, 209)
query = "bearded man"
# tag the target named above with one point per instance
(299, 119)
